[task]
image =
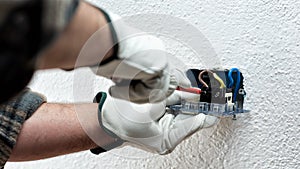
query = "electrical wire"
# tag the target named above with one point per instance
(238, 80)
(189, 90)
(200, 77)
(222, 85)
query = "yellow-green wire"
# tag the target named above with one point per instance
(222, 85)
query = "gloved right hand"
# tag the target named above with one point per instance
(149, 125)
(139, 65)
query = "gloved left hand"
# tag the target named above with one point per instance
(149, 125)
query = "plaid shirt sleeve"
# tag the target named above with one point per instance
(12, 116)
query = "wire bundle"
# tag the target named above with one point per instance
(222, 84)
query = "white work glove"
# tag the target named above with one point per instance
(139, 66)
(149, 125)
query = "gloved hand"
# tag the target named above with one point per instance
(139, 66)
(149, 125)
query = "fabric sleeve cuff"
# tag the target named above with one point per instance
(12, 116)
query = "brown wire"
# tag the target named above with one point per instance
(200, 77)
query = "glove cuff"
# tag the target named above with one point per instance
(100, 98)
(114, 38)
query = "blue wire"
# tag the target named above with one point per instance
(238, 80)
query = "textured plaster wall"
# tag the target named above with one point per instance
(262, 38)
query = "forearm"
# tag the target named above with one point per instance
(55, 130)
(64, 51)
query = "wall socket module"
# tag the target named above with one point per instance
(213, 109)
(222, 93)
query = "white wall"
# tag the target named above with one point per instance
(262, 38)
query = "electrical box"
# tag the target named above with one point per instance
(221, 93)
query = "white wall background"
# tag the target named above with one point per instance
(262, 38)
